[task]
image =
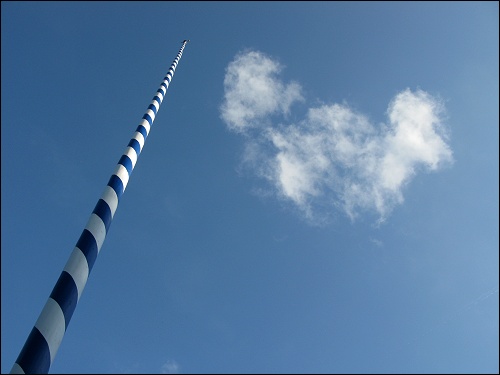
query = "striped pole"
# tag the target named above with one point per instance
(43, 342)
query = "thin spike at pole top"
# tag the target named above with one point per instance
(45, 338)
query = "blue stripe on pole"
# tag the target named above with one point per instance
(153, 108)
(162, 91)
(35, 355)
(148, 119)
(88, 245)
(164, 85)
(116, 183)
(65, 293)
(141, 129)
(157, 98)
(134, 143)
(127, 163)
(103, 210)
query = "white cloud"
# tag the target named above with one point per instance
(170, 367)
(376, 242)
(335, 157)
(252, 91)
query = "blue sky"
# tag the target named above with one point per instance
(318, 193)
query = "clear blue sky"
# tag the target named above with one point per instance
(318, 193)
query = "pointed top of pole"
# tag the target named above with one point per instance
(186, 40)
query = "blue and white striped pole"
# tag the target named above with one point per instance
(43, 342)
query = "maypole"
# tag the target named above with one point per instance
(45, 338)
